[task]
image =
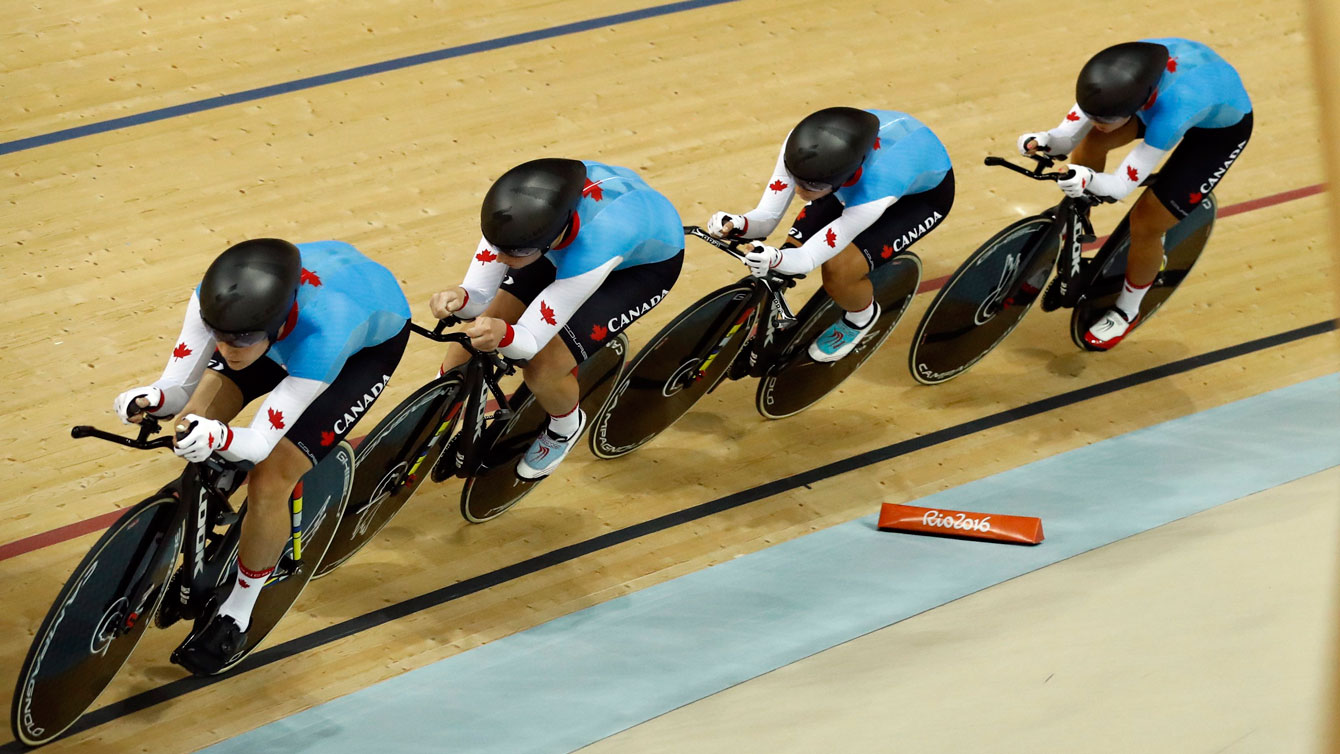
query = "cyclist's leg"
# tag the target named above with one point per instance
(1091, 152)
(505, 306)
(216, 397)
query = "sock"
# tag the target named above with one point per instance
(567, 424)
(243, 597)
(861, 318)
(1129, 300)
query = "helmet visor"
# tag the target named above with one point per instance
(1107, 120)
(239, 339)
(816, 187)
(523, 253)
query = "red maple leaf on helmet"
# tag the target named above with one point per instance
(327, 438)
(599, 333)
(486, 256)
(181, 351)
(876, 142)
(1132, 173)
(1172, 65)
(310, 278)
(593, 190)
(547, 313)
(276, 418)
(778, 185)
(1072, 116)
(1196, 196)
(886, 252)
(831, 239)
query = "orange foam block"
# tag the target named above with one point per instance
(992, 527)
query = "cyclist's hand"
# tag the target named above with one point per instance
(486, 333)
(1033, 143)
(203, 437)
(447, 302)
(762, 259)
(146, 398)
(723, 224)
(1075, 185)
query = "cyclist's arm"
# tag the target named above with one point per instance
(551, 310)
(832, 238)
(281, 409)
(190, 355)
(481, 281)
(762, 220)
(1065, 137)
(1137, 166)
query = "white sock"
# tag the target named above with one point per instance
(862, 318)
(567, 424)
(1129, 300)
(242, 599)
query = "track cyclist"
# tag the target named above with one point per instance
(319, 327)
(572, 252)
(1169, 93)
(875, 182)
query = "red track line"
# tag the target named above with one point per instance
(102, 521)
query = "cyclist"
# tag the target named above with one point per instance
(319, 327)
(1168, 93)
(572, 253)
(874, 181)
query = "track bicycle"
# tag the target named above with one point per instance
(161, 562)
(988, 295)
(745, 329)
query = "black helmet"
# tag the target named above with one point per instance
(827, 148)
(530, 205)
(1118, 81)
(250, 289)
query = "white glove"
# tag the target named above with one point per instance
(207, 436)
(1042, 140)
(762, 259)
(716, 224)
(1075, 186)
(122, 403)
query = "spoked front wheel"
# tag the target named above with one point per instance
(796, 381)
(96, 621)
(495, 488)
(680, 365)
(1182, 246)
(984, 300)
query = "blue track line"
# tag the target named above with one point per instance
(372, 69)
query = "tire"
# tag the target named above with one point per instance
(495, 488)
(984, 300)
(74, 656)
(795, 381)
(1182, 247)
(390, 464)
(658, 387)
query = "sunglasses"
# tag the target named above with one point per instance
(239, 339)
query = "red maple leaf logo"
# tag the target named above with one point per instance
(1196, 196)
(1172, 65)
(599, 332)
(243, 584)
(886, 252)
(276, 418)
(181, 351)
(1132, 173)
(831, 238)
(1072, 116)
(547, 313)
(593, 190)
(310, 278)
(778, 185)
(486, 256)
(801, 216)
(327, 438)
(876, 142)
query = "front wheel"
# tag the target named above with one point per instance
(984, 300)
(94, 623)
(796, 382)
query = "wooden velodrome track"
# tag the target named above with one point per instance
(106, 234)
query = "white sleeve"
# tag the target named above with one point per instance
(832, 238)
(1137, 166)
(481, 281)
(190, 355)
(551, 310)
(761, 221)
(1064, 138)
(281, 409)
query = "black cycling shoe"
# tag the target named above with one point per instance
(211, 648)
(446, 466)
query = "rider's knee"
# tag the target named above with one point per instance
(269, 485)
(552, 363)
(1149, 218)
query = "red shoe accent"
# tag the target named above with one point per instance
(1107, 345)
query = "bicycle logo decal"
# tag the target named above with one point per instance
(380, 494)
(991, 305)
